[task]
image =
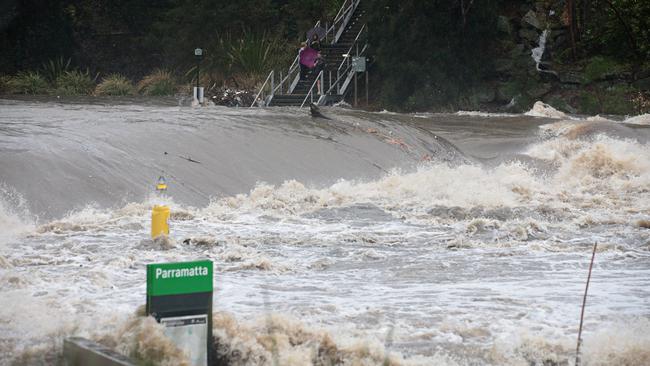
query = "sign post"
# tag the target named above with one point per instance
(198, 90)
(179, 296)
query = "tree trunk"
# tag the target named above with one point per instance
(571, 12)
(465, 6)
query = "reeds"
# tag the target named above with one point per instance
(159, 83)
(27, 82)
(115, 84)
(74, 82)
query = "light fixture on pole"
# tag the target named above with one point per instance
(198, 91)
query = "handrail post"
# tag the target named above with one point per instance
(338, 82)
(272, 81)
(330, 77)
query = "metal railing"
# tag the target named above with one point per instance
(262, 93)
(343, 71)
(310, 94)
(342, 18)
(289, 81)
(287, 84)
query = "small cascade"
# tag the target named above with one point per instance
(538, 51)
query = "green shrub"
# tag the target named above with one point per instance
(74, 83)
(599, 68)
(54, 68)
(158, 83)
(27, 82)
(588, 103)
(618, 100)
(4, 84)
(115, 84)
(256, 54)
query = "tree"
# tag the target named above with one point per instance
(429, 53)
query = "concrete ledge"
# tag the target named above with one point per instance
(82, 352)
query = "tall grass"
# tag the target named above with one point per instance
(74, 83)
(256, 55)
(159, 83)
(27, 82)
(244, 60)
(115, 84)
(54, 68)
(4, 84)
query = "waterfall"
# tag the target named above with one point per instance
(538, 51)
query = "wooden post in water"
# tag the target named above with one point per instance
(584, 302)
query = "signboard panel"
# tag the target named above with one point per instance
(190, 334)
(359, 63)
(179, 278)
(179, 296)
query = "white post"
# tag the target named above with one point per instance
(198, 95)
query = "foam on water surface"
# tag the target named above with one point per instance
(429, 262)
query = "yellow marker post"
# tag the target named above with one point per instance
(160, 213)
(159, 221)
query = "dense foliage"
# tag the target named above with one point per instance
(429, 52)
(134, 36)
(425, 54)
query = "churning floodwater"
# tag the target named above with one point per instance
(365, 239)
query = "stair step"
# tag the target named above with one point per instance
(288, 99)
(333, 56)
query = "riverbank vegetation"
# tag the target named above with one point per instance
(581, 56)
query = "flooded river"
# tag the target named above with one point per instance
(365, 239)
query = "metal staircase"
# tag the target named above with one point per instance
(345, 39)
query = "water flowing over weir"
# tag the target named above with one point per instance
(371, 238)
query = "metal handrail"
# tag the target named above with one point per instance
(344, 74)
(354, 43)
(339, 15)
(311, 90)
(262, 88)
(292, 68)
(342, 18)
(336, 29)
(336, 18)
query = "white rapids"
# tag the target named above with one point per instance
(470, 246)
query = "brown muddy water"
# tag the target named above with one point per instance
(367, 239)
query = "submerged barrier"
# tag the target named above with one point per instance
(82, 352)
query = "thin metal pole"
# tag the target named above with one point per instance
(198, 65)
(367, 99)
(338, 82)
(322, 82)
(355, 88)
(584, 302)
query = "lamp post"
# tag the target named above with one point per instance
(198, 91)
(198, 53)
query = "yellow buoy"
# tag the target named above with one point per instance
(161, 186)
(159, 221)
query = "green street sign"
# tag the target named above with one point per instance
(179, 278)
